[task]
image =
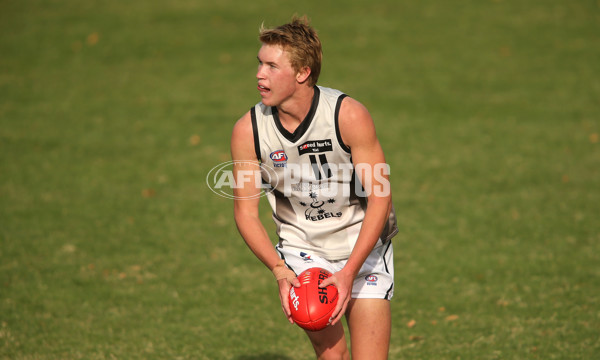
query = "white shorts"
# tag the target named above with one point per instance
(375, 280)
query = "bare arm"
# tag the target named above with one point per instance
(246, 204)
(358, 133)
(246, 199)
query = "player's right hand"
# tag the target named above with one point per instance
(285, 285)
(286, 278)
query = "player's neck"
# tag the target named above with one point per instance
(293, 111)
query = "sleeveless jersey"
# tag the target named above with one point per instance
(317, 201)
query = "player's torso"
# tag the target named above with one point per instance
(311, 173)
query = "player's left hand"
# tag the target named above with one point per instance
(343, 281)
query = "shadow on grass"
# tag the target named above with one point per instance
(267, 356)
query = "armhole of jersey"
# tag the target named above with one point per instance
(338, 105)
(255, 132)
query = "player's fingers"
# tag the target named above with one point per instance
(285, 306)
(339, 310)
(286, 310)
(287, 313)
(294, 282)
(329, 281)
(340, 314)
(284, 293)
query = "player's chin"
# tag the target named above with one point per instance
(267, 102)
(267, 99)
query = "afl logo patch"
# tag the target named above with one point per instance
(279, 158)
(371, 280)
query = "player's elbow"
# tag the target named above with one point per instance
(381, 201)
(243, 214)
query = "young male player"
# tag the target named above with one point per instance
(330, 193)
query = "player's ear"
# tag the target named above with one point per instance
(303, 74)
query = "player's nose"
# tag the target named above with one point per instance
(259, 72)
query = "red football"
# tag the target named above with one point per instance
(310, 305)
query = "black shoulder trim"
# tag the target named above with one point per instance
(338, 105)
(255, 131)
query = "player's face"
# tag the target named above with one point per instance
(275, 75)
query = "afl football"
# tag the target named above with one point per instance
(310, 305)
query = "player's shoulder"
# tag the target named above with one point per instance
(242, 134)
(243, 125)
(354, 121)
(353, 114)
(352, 108)
(329, 92)
(349, 107)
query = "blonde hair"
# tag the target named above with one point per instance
(301, 42)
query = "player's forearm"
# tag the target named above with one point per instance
(257, 239)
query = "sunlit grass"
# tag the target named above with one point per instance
(112, 113)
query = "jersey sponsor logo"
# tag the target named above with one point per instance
(315, 146)
(371, 280)
(279, 158)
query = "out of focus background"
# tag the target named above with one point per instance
(112, 113)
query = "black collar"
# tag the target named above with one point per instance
(304, 125)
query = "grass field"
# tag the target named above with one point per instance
(113, 112)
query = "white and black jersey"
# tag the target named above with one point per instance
(318, 204)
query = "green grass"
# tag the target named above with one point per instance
(112, 113)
